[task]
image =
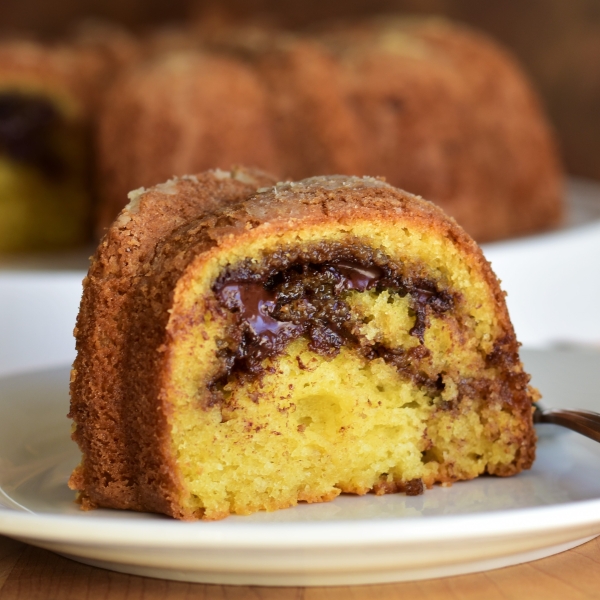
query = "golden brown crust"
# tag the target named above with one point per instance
(120, 468)
(130, 315)
(71, 78)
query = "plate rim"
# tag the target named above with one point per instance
(301, 534)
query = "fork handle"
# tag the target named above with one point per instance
(582, 421)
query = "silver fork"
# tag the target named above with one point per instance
(585, 422)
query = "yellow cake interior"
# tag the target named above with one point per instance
(315, 426)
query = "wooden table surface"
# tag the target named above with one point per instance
(28, 573)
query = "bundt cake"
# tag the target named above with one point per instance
(49, 94)
(245, 346)
(433, 107)
(44, 198)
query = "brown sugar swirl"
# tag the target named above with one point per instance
(293, 294)
(245, 345)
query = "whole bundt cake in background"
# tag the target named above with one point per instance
(44, 193)
(244, 346)
(49, 97)
(433, 107)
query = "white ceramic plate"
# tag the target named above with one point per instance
(477, 525)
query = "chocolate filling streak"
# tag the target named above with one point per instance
(302, 293)
(27, 124)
